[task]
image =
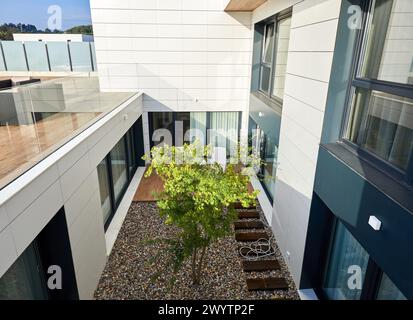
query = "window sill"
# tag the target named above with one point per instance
(395, 189)
(272, 103)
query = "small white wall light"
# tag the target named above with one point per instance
(261, 114)
(375, 223)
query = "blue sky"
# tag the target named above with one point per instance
(74, 12)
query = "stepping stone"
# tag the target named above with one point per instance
(251, 236)
(254, 224)
(267, 284)
(238, 205)
(260, 265)
(252, 214)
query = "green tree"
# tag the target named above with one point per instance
(198, 198)
(84, 29)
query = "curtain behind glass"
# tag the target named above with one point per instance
(383, 124)
(224, 130)
(198, 127)
(345, 254)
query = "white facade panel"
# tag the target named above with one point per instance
(67, 178)
(176, 46)
(310, 53)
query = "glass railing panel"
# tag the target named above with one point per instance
(36, 56)
(59, 56)
(14, 55)
(80, 56)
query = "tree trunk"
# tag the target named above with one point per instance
(193, 266)
(200, 266)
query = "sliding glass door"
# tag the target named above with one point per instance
(224, 131)
(347, 257)
(221, 129)
(351, 274)
(198, 125)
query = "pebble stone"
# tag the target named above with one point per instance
(135, 260)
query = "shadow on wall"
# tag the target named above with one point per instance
(175, 87)
(289, 224)
(184, 72)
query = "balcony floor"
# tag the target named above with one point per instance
(129, 269)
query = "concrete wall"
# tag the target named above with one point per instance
(66, 178)
(310, 54)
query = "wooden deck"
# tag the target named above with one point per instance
(153, 184)
(147, 187)
(22, 146)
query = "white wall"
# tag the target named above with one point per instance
(186, 55)
(68, 178)
(310, 54)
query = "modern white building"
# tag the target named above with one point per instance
(321, 88)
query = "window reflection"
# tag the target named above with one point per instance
(383, 124)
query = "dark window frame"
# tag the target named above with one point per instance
(359, 82)
(285, 14)
(129, 173)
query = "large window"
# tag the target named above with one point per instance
(347, 256)
(351, 274)
(119, 168)
(266, 146)
(116, 170)
(105, 189)
(25, 278)
(380, 123)
(221, 129)
(274, 54)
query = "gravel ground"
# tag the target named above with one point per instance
(128, 272)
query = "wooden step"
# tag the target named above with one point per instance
(260, 265)
(251, 236)
(253, 224)
(238, 205)
(267, 284)
(251, 214)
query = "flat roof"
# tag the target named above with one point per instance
(39, 118)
